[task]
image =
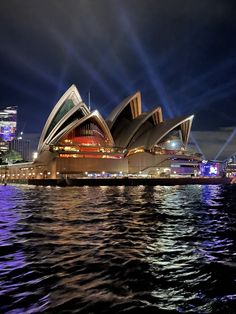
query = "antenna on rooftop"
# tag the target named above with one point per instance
(89, 100)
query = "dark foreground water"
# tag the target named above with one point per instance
(118, 249)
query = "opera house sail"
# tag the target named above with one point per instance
(78, 142)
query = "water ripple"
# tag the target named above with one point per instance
(118, 249)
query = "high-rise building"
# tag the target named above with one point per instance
(22, 147)
(8, 122)
(4, 146)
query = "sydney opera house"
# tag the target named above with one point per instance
(79, 142)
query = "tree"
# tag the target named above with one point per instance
(11, 157)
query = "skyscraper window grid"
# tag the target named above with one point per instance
(8, 123)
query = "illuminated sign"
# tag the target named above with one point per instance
(210, 168)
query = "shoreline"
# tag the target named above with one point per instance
(125, 181)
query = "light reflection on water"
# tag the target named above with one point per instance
(118, 249)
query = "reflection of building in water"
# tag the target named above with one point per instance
(78, 142)
(15, 259)
(214, 224)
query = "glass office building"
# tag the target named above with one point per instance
(8, 123)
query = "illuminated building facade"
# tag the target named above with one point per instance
(230, 166)
(4, 146)
(210, 168)
(77, 142)
(8, 123)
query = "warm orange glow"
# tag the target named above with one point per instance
(88, 133)
(135, 151)
(98, 156)
(81, 148)
(89, 149)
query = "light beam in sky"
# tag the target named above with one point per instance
(212, 95)
(24, 61)
(200, 80)
(197, 145)
(22, 88)
(143, 58)
(230, 138)
(85, 65)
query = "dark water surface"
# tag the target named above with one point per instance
(118, 249)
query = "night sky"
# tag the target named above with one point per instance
(181, 54)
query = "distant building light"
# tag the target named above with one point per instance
(35, 155)
(213, 170)
(49, 173)
(166, 169)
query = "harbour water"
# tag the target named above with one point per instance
(118, 249)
